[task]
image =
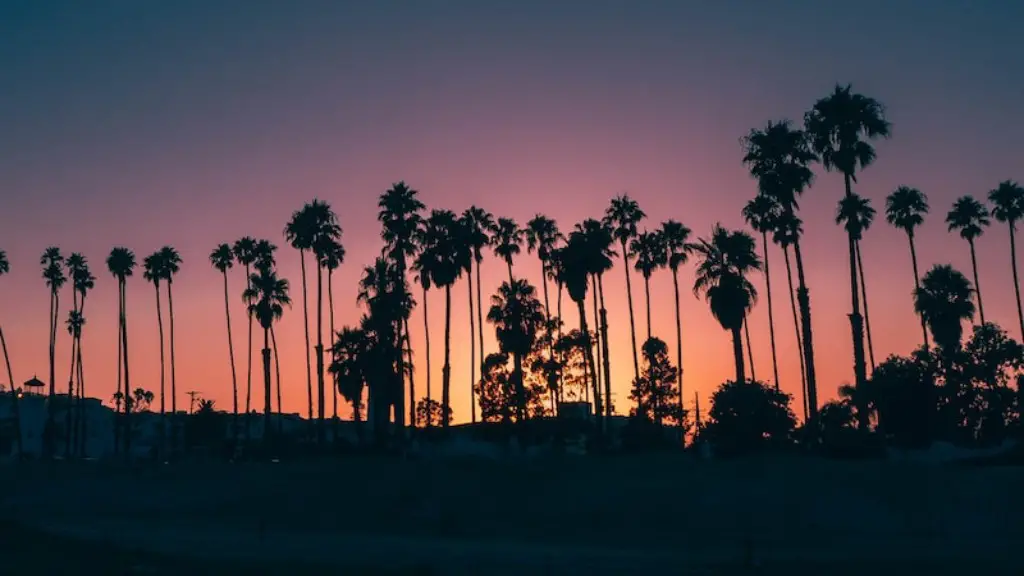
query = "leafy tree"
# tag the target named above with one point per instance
(331, 254)
(944, 301)
(656, 392)
(905, 209)
(498, 395)
(901, 391)
(970, 218)
(431, 413)
(517, 316)
(749, 416)
(571, 348)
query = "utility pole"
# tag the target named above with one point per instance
(192, 395)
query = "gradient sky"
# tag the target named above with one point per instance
(194, 122)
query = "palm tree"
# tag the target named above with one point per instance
(53, 272)
(944, 300)
(399, 214)
(651, 254)
(5, 269)
(507, 241)
(300, 232)
(82, 282)
(171, 265)
(543, 236)
(348, 365)
(856, 215)
(725, 260)
(223, 259)
(264, 259)
(74, 323)
(970, 217)
(787, 233)
(517, 317)
(332, 255)
(575, 267)
(905, 209)
(245, 253)
(477, 224)
(154, 271)
(267, 296)
(623, 216)
(422, 266)
(1008, 207)
(762, 214)
(599, 239)
(841, 127)
(778, 156)
(121, 264)
(677, 242)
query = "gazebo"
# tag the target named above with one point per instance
(34, 387)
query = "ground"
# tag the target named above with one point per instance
(593, 515)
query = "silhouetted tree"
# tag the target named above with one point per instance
(747, 417)
(656, 392)
(300, 232)
(841, 127)
(327, 235)
(477, 224)
(598, 241)
(623, 216)
(121, 264)
(944, 300)
(573, 266)
(423, 266)
(267, 296)
(989, 364)
(651, 254)
(905, 209)
(1008, 207)
(517, 317)
(543, 236)
(677, 243)
(331, 255)
(245, 253)
(856, 215)
(762, 214)
(507, 240)
(901, 391)
(5, 269)
(52, 262)
(350, 354)
(82, 282)
(153, 271)
(223, 259)
(725, 260)
(498, 395)
(432, 413)
(970, 218)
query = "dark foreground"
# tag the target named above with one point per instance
(630, 515)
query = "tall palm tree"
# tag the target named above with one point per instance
(245, 253)
(348, 365)
(573, 263)
(970, 218)
(787, 233)
(651, 254)
(82, 282)
(762, 214)
(154, 271)
(677, 243)
(779, 157)
(74, 323)
(332, 256)
(905, 209)
(5, 269)
(507, 241)
(1008, 207)
(223, 259)
(944, 300)
(300, 232)
(842, 126)
(172, 265)
(623, 215)
(599, 239)
(52, 262)
(478, 225)
(856, 215)
(543, 236)
(267, 296)
(725, 260)
(399, 214)
(264, 259)
(423, 266)
(121, 264)
(517, 317)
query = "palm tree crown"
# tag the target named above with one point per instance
(856, 214)
(906, 208)
(1007, 202)
(542, 236)
(650, 251)
(517, 316)
(121, 262)
(944, 300)
(725, 260)
(969, 217)
(479, 225)
(507, 240)
(222, 258)
(779, 157)
(676, 237)
(5, 264)
(622, 217)
(840, 126)
(267, 296)
(400, 216)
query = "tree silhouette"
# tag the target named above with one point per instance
(748, 416)
(762, 214)
(856, 215)
(507, 241)
(171, 265)
(970, 218)
(656, 392)
(223, 259)
(905, 209)
(517, 316)
(787, 232)
(266, 297)
(598, 241)
(651, 254)
(331, 255)
(154, 271)
(944, 300)
(779, 157)
(300, 232)
(327, 235)
(5, 269)
(543, 236)
(245, 253)
(349, 355)
(623, 216)
(83, 282)
(423, 267)
(1008, 207)
(842, 126)
(121, 264)
(573, 265)
(677, 242)
(52, 262)
(477, 224)
(725, 260)
(432, 413)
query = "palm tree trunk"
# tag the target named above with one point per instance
(320, 392)
(333, 335)
(411, 368)
(598, 345)
(856, 320)
(71, 383)
(50, 431)
(175, 417)
(647, 295)
(81, 425)
(163, 370)
(267, 426)
(231, 356)
(426, 336)
(771, 315)
(517, 377)
(629, 300)
(120, 371)
(750, 349)
(127, 372)
(561, 373)
(917, 284)
(796, 327)
(277, 380)
(737, 352)
(598, 408)
(446, 372)
(511, 278)
(1016, 281)
(305, 324)
(480, 313)
(248, 375)
(867, 316)
(977, 285)
(472, 346)
(14, 397)
(679, 343)
(605, 355)
(803, 296)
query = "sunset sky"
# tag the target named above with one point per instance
(194, 122)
